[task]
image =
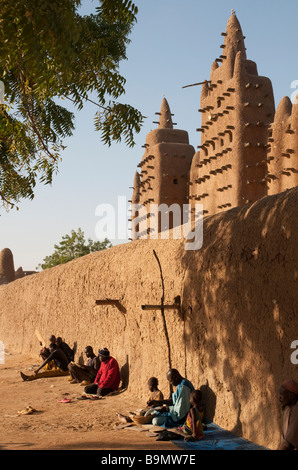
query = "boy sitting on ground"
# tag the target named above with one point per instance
(155, 394)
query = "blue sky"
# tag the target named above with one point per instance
(173, 44)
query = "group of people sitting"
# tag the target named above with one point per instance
(182, 412)
(100, 375)
(56, 358)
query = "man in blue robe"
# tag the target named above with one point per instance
(176, 408)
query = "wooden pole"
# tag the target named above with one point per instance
(195, 84)
(163, 314)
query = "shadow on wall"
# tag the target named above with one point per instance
(124, 374)
(209, 402)
(240, 297)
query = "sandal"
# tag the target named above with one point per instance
(27, 411)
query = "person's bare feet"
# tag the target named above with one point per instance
(24, 377)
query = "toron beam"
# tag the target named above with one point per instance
(195, 84)
(159, 307)
(113, 302)
(107, 302)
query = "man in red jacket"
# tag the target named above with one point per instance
(107, 379)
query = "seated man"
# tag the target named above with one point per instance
(178, 406)
(60, 360)
(288, 397)
(107, 379)
(45, 351)
(85, 372)
(65, 348)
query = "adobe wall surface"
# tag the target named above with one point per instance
(232, 336)
(283, 148)
(240, 294)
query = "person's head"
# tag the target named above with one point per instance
(174, 377)
(288, 393)
(104, 355)
(89, 351)
(58, 341)
(152, 384)
(52, 339)
(196, 397)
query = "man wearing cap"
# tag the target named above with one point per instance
(288, 397)
(107, 379)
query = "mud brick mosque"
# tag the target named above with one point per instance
(247, 150)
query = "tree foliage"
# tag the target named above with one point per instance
(73, 246)
(50, 53)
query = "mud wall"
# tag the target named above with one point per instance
(232, 335)
(283, 148)
(240, 301)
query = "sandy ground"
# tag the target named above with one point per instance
(78, 425)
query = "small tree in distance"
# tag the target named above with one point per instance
(73, 246)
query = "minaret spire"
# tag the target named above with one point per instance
(165, 119)
(136, 189)
(234, 39)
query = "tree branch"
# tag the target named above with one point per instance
(5, 200)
